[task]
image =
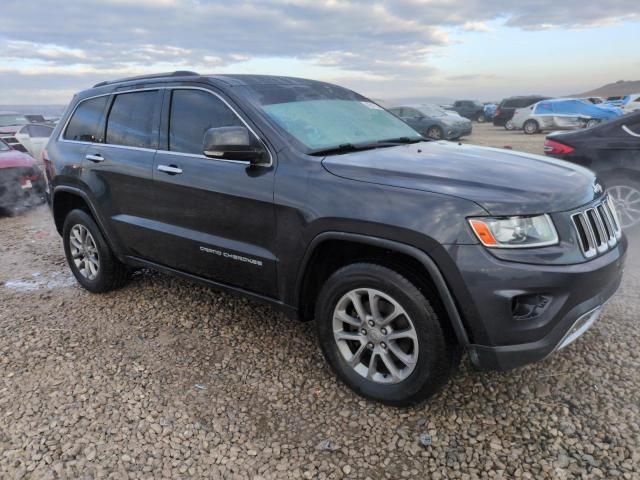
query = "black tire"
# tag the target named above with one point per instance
(438, 354)
(531, 127)
(481, 118)
(434, 133)
(509, 125)
(592, 123)
(112, 273)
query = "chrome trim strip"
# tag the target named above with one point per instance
(117, 92)
(579, 327)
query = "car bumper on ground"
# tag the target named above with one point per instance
(562, 303)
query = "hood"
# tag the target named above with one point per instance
(503, 182)
(15, 159)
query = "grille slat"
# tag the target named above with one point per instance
(598, 228)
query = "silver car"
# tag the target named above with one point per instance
(559, 114)
(433, 122)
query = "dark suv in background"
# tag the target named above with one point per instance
(508, 106)
(471, 109)
(318, 201)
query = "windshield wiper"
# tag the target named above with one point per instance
(358, 147)
(401, 140)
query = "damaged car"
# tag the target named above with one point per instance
(21, 181)
(562, 114)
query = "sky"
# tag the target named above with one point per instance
(477, 49)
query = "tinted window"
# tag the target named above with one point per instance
(39, 131)
(84, 122)
(131, 119)
(193, 112)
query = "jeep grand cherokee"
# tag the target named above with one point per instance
(318, 201)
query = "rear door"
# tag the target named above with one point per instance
(215, 217)
(119, 170)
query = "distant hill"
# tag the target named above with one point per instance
(619, 88)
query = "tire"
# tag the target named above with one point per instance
(625, 194)
(107, 272)
(481, 118)
(530, 127)
(592, 123)
(435, 133)
(509, 125)
(430, 352)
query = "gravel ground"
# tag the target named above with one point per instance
(167, 379)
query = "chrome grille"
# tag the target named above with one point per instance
(598, 228)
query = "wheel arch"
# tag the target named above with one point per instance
(325, 255)
(65, 198)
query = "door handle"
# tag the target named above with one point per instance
(97, 158)
(170, 169)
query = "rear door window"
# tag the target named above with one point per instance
(132, 119)
(193, 112)
(85, 120)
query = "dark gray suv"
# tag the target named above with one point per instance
(318, 201)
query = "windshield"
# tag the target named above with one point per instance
(7, 120)
(323, 116)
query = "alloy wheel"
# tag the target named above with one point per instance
(375, 336)
(627, 202)
(84, 252)
(434, 133)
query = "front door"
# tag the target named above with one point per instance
(214, 217)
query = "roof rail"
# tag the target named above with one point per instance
(177, 73)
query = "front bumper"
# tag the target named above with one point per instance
(573, 296)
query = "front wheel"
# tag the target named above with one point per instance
(481, 118)
(509, 125)
(382, 336)
(435, 133)
(530, 127)
(592, 123)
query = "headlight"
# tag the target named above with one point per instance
(515, 232)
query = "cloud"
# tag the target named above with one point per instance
(476, 27)
(376, 41)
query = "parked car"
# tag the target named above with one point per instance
(617, 101)
(10, 123)
(633, 104)
(21, 181)
(433, 122)
(612, 150)
(562, 114)
(33, 138)
(316, 200)
(504, 112)
(471, 109)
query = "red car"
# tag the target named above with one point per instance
(21, 180)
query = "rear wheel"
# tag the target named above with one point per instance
(481, 118)
(88, 255)
(530, 127)
(435, 133)
(382, 337)
(509, 125)
(625, 194)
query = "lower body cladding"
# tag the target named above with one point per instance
(544, 308)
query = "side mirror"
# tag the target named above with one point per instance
(232, 143)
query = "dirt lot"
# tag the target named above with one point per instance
(167, 379)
